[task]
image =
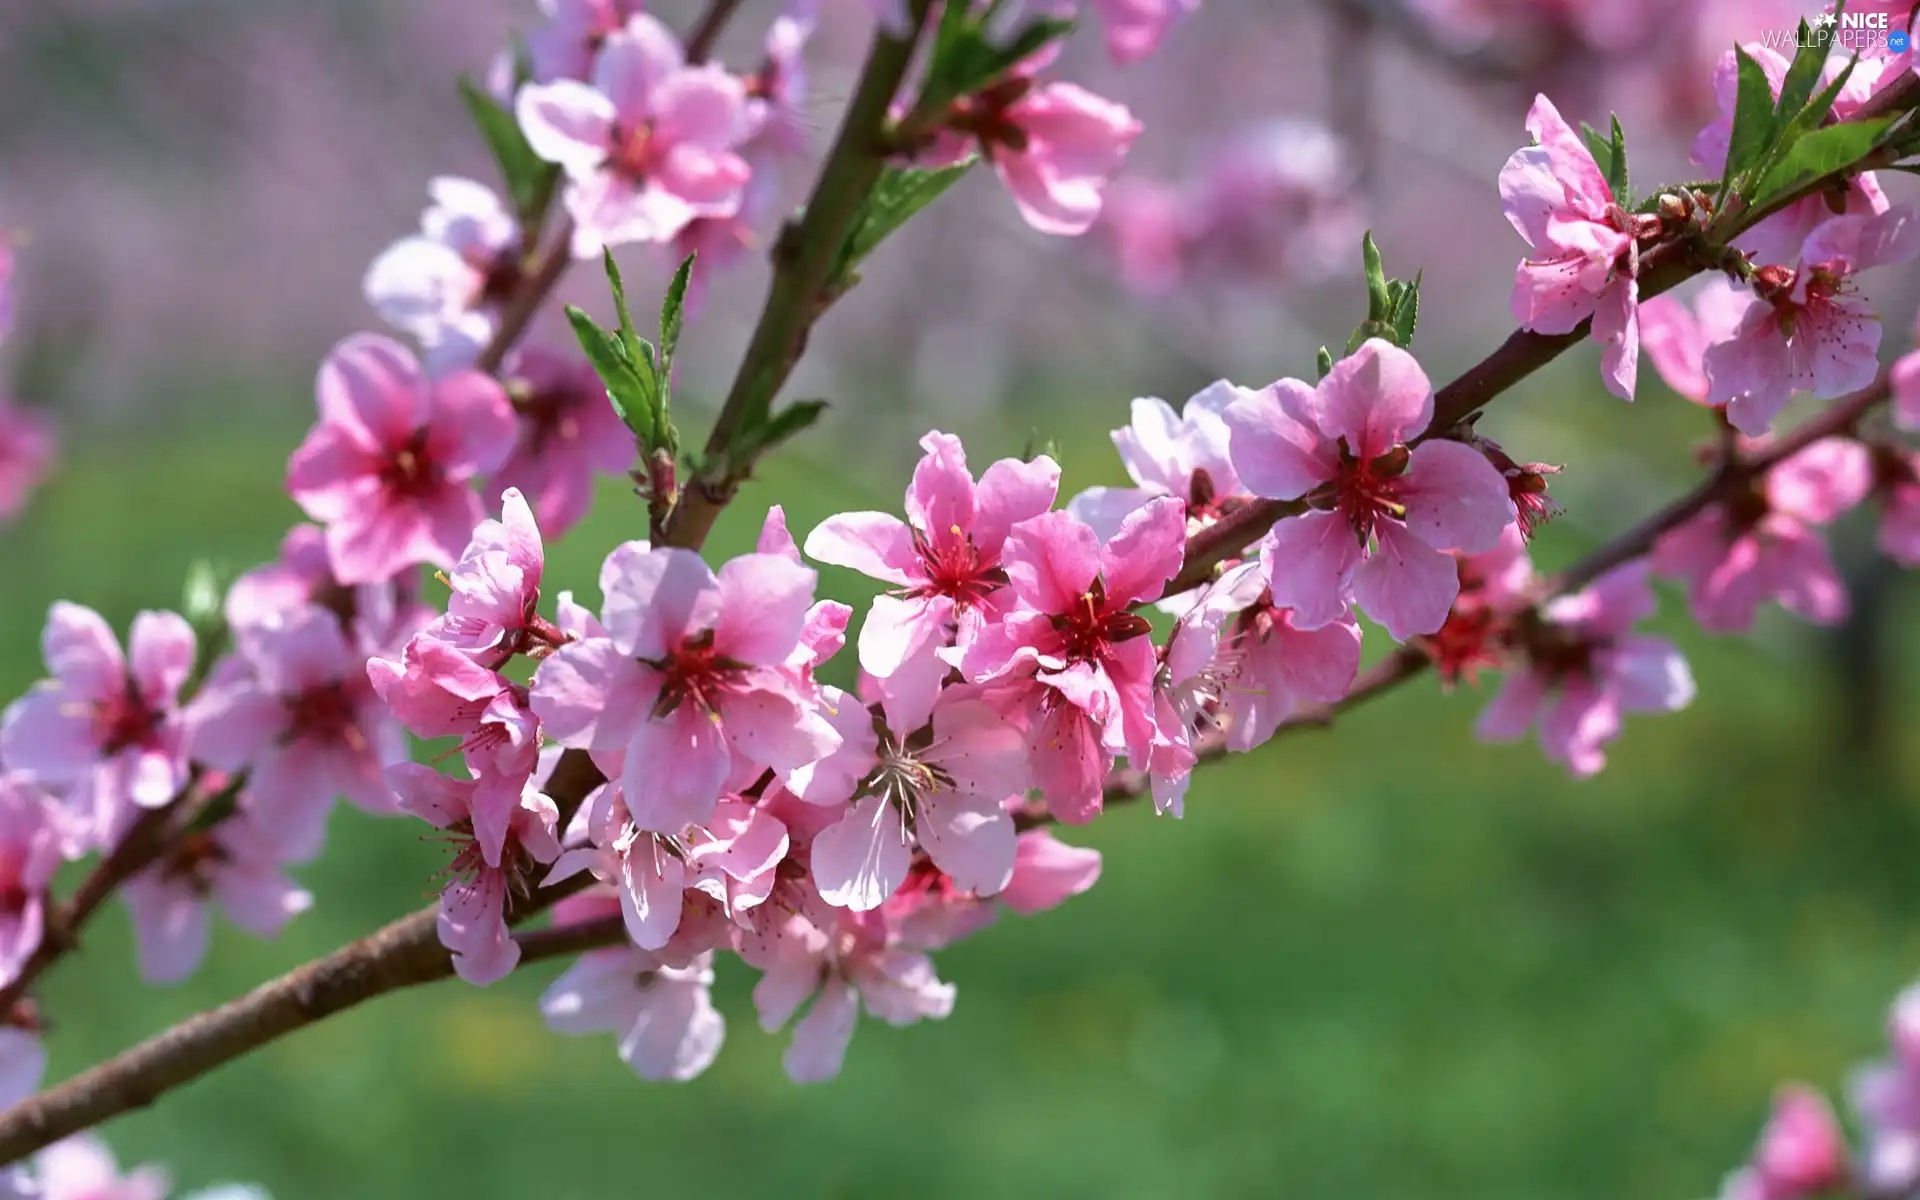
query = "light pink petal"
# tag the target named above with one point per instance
(899, 628)
(1069, 766)
(170, 926)
(654, 598)
(227, 726)
(652, 893)
(1047, 871)
(1514, 708)
(678, 1032)
(1406, 585)
(1278, 450)
(1650, 675)
(863, 859)
(472, 428)
(763, 607)
(1009, 492)
(472, 925)
(1530, 193)
(970, 838)
(1310, 561)
(873, 543)
(1376, 398)
(1146, 553)
(1673, 339)
(81, 651)
(1572, 163)
(633, 64)
(940, 500)
(704, 106)
(675, 767)
(48, 734)
(1052, 561)
(371, 390)
(1455, 499)
(773, 730)
(590, 695)
(820, 1040)
(1616, 326)
(566, 122)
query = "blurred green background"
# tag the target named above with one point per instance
(1380, 960)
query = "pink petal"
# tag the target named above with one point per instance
(763, 607)
(1009, 492)
(1455, 499)
(676, 765)
(1277, 448)
(1376, 398)
(970, 838)
(820, 1040)
(1310, 561)
(1146, 553)
(1406, 585)
(863, 858)
(566, 122)
(873, 543)
(1051, 561)
(655, 598)
(1047, 871)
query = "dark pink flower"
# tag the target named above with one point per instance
(691, 679)
(236, 865)
(1802, 1152)
(1807, 328)
(473, 905)
(1584, 668)
(944, 563)
(650, 145)
(1764, 543)
(388, 466)
(1071, 636)
(1383, 516)
(1585, 247)
(293, 708)
(105, 731)
(492, 613)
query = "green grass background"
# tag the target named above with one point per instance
(1379, 960)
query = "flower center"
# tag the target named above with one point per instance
(694, 672)
(410, 470)
(124, 721)
(1090, 627)
(956, 569)
(324, 714)
(635, 153)
(1366, 491)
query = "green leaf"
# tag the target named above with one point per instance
(1601, 149)
(632, 345)
(1617, 166)
(778, 427)
(1812, 115)
(896, 197)
(1379, 302)
(628, 391)
(673, 313)
(1406, 310)
(1821, 152)
(529, 178)
(1802, 74)
(1753, 120)
(1323, 362)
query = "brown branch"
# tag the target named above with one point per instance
(534, 289)
(701, 40)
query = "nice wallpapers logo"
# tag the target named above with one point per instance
(1864, 33)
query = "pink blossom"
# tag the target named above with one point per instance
(947, 796)
(731, 861)
(1188, 684)
(566, 434)
(377, 617)
(1055, 146)
(1183, 455)
(436, 691)
(663, 1014)
(1584, 668)
(1382, 515)
(105, 731)
(234, 864)
(492, 613)
(444, 286)
(1676, 337)
(82, 1168)
(854, 962)
(1150, 226)
(564, 44)
(30, 851)
(777, 94)
(1897, 487)
(1267, 667)
(473, 905)
(945, 565)
(1807, 328)
(26, 455)
(1802, 1153)
(1072, 634)
(1495, 588)
(1887, 1097)
(386, 469)
(1585, 253)
(648, 146)
(1762, 544)
(1134, 27)
(293, 708)
(689, 680)
(1046, 871)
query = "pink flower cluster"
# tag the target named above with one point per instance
(1791, 321)
(1275, 202)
